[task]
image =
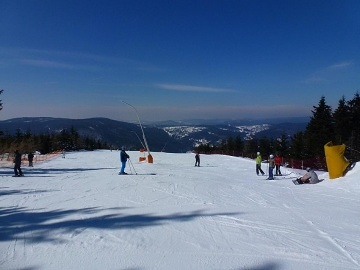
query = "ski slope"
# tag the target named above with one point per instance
(78, 213)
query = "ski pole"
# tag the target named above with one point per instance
(132, 166)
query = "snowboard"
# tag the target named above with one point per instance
(296, 182)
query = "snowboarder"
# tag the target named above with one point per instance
(277, 165)
(258, 164)
(123, 158)
(197, 160)
(271, 167)
(310, 177)
(30, 159)
(17, 161)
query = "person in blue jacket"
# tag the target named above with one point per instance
(123, 158)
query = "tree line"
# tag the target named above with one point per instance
(341, 126)
(67, 139)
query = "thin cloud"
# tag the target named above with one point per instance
(71, 60)
(327, 74)
(54, 64)
(341, 65)
(192, 88)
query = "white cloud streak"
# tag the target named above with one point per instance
(341, 65)
(55, 64)
(326, 74)
(191, 88)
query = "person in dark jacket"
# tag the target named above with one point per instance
(123, 158)
(17, 166)
(197, 160)
(31, 159)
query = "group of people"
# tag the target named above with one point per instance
(310, 177)
(274, 163)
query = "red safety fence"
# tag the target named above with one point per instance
(7, 159)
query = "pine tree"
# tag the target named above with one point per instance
(2, 90)
(238, 144)
(342, 121)
(281, 145)
(354, 108)
(1, 106)
(298, 146)
(320, 129)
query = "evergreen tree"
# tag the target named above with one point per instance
(238, 144)
(297, 149)
(320, 129)
(281, 145)
(251, 147)
(342, 122)
(266, 147)
(1, 105)
(230, 145)
(354, 108)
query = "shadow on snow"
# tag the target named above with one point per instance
(29, 172)
(47, 226)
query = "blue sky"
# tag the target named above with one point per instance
(176, 59)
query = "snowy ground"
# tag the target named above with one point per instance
(78, 213)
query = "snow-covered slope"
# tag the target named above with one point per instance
(78, 213)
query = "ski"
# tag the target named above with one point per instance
(137, 174)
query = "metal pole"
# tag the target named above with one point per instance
(139, 139)
(147, 147)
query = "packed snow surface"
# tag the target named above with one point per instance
(78, 213)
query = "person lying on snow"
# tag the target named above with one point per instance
(310, 177)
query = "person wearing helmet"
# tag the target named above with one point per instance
(123, 158)
(271, 167)
(310, 177)
(258, 164)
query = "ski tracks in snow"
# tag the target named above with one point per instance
(321, 234)
(333, 242)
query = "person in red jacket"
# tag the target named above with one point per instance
(277, 165)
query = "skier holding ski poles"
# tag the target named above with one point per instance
(123, 159)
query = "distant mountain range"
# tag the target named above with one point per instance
(169, 136)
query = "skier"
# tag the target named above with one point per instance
(277, 165)
(258, 164)
(197, 159)
(123, 158)
(17, 161)
(310, 177)
(30, 159)
(271, 167)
